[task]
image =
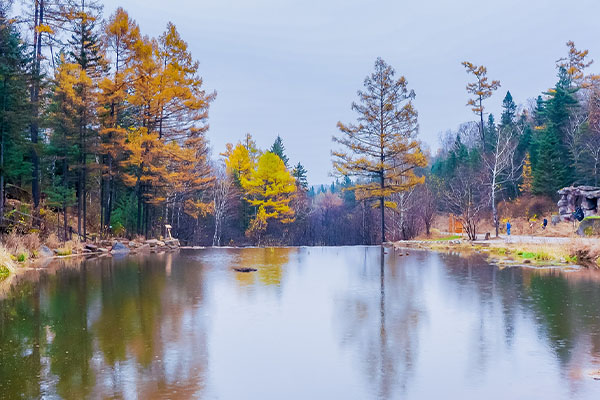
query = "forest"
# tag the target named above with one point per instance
(103, 133)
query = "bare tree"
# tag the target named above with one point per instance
(426, 195)
(500, 168)
(222, 200)
(465, 197)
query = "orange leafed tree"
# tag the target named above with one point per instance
(574, 64)
(380, 148)
(121, 36)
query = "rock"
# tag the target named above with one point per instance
(102, 250)
(44, 252)
(587, 196)
(133, 244)
(154, 242)
(91, 247)
(143, 247)
(527, 262)
(119, 248)
(245, 269)
(590, 226)
(172, 242)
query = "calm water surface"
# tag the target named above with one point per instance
(311, 323)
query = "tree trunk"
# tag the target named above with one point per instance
(2, 154)
(139, 207)
(35, 93)
(481, 116)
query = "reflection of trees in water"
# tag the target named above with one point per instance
(89, 325)
(268, 262)
(20, 332)
(562, 306)
(381, 324)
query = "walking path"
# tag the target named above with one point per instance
(533, 239)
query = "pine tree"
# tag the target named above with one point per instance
(509, 111)
(299, 172)
(491, 132)
(13, 107)
(278, 149)
(553, 154)
(551, 173)
(85, 52)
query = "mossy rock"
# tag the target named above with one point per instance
(590, 226)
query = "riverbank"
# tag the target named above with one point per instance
(521, 250)
(22, 252)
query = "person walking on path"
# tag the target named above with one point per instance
(545, 224)
(508, 228)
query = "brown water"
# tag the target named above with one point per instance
(311, 323)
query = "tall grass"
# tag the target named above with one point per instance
(7, 265)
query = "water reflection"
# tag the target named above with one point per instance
(349, 322)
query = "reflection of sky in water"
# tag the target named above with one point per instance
(309, 323)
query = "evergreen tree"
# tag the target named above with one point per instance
(553, 155)
(84, 50)
(490, 132)
(13, 107)
(509, 111)
(299, 172)
(278, 149)
(348, 195)
(538, 116)
(84, 44)
(550, 173)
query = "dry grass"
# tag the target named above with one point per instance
(32, 242)
(70, 247)
(586, 252)
(52, 241)
(7, 265)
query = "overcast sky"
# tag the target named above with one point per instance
(292, 67)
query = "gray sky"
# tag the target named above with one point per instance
(293, 67)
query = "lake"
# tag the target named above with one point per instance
(310, 323)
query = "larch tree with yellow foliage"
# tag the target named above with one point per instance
(240, 161)
(574, 64)
(481, 89)
(121, 34)
(380, 149)
(269, 188)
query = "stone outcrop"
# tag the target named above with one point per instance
(589, 227)
(586, 197)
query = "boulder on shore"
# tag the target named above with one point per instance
(590, 226)
(45, 252)
(119, 248)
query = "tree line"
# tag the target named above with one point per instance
(533, 150)
(99, 120)
(103, 132)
